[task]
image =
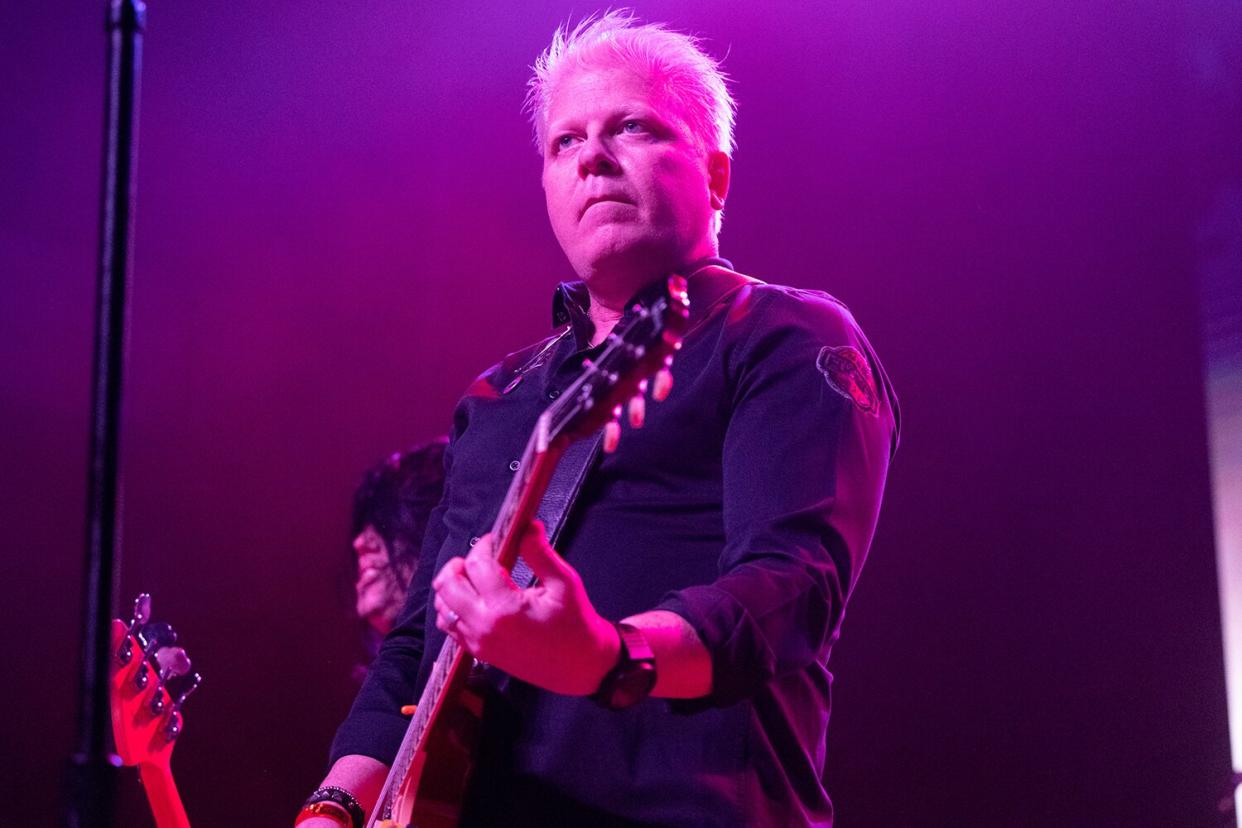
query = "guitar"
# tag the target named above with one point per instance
(427, 782)
(151, 680)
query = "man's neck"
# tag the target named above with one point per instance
(609, 292)
(603, 319)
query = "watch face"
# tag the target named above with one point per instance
(634, 677)
(633, 684)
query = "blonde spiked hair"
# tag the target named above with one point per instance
(615, 38)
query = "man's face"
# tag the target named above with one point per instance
(628, 189)
(378, 593)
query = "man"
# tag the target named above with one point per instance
(725, 535)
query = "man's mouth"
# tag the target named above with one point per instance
(593, 200)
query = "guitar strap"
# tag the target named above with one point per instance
(708, 285)
(560, 496)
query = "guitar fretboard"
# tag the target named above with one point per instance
(450, 653)
(434, 691)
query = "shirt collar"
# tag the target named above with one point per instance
(570, 301)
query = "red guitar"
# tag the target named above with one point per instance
(427, 782)
(151, 679)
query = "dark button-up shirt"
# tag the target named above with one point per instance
(745, 504)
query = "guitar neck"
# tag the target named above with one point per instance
(516, 512)
(634, 351)
(163, 796)
(525, 493)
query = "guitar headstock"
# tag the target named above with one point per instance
(151, 680)
(641, 345)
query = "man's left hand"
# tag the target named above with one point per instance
(548, 635)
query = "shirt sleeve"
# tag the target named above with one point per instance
(375, 726)
(813, 425)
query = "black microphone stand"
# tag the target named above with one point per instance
(93, 768)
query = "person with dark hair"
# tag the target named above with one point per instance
(391, 509)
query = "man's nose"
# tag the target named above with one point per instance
(596, 158)
(366, 543)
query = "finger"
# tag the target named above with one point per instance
(460, 595)
(450, 630)
(486, 575)
(455, 594)
(448, 620)
(452, 569)
(662, 385)
(638, 410)
(612, 436)
(484, 546)
(548, 566)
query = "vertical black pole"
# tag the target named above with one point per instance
(93, 772)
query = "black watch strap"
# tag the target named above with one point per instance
(634, 676)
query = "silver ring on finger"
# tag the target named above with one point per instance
(453, 618)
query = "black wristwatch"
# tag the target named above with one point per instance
(634, 675)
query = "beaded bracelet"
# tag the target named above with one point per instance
(332, 801)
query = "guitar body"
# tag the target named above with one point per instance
(432, 792)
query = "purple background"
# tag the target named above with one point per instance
(340, 223)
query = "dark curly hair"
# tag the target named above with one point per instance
(396, 497)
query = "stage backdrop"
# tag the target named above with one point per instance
(340, 224)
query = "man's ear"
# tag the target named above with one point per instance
(719, 167)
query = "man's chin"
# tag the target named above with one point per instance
(635, 258)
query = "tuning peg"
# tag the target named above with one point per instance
(155, 635)
(185, 685)
(662, 385)
(152, 637)
(172, 662)
(173, 729)
(142, 610)
(140, 615)
(638, 410)
(179, 688)
(612, 436)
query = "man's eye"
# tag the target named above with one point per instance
(632, 127)
(564, 142)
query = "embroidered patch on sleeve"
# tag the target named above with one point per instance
(848, 374)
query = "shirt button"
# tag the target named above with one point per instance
(514, 465)
(474, 540)
(553, 393)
